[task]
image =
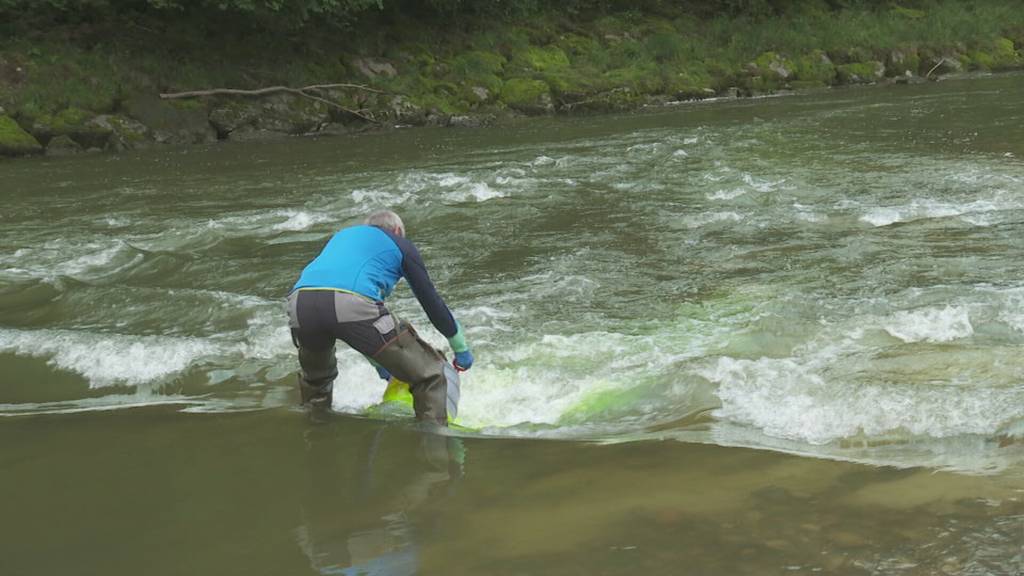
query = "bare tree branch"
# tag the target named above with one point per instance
(279, 89)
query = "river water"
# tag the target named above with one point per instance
(767, 336)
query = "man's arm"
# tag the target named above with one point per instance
(415, 273)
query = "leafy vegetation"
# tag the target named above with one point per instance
(89, 57)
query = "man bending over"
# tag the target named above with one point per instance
(340, 296)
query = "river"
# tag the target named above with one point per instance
(765, 336)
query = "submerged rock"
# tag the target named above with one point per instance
(15, 141)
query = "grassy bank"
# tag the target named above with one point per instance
(94, 84)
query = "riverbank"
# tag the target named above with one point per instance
(89, 86)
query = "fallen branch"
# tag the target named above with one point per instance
(934, 68)
(279, 89)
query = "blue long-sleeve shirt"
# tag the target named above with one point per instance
(369, 261)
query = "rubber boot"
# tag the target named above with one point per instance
(409, 358)
(313, 395)
(316, 381)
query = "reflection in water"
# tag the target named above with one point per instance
(360, 518)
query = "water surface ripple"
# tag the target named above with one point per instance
(838, 275)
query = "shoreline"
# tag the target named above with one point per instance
(67, 91)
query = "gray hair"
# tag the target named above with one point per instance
(388, 220)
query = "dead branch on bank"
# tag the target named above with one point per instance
(303, 92)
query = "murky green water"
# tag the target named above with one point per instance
(767, 337)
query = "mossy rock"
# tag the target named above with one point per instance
(546, 59)
(689, 85)
(172, 121)
(815, 68)
(772, 67)
(124, 133)
(808, 84)
(643, 79)
(527, 95)
(616, 100)
(1005, 56)
(15, 141)
(900, 61)
(71, 122)
(63, 146)
(860, 72)
(477, 63)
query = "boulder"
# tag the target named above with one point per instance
(15, 141)
(123, 133)
(172, 121)
(403, 111)
(900, 61)
(374, 67)
(860, 72)
(474, 121)
(291, 114)
(815, 68)
(231, 115)
(526, 95)
(482, 94)
(63, 146)
(73, 123)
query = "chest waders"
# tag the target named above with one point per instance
(318, 318)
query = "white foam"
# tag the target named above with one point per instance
(979, 212)
(77, 258)
(792, 398)
(727, 194)
(108, 359)
(931, 324)
(706, 218)
(297, 220)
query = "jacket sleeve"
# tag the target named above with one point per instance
(415, 273)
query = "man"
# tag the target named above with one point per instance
(340, 296)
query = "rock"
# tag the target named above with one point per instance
(861, 72)
(63, 146)
(374, 67)
(172, 121)
(527, 95)
(15, 141)
(230, 116)
(899, 62)
(71, 122)
(944, 64)
(771, 66)
(815, 67)
(475, 121)
(291, 114)
(335, 129)
(251, 134)
(123, 133)
(482, 94)
(403, 111)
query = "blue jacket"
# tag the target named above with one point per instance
(369, 261)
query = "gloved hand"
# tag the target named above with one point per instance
(463, 360)
(383, 373)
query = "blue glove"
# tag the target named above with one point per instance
(463, 360)
(383, 373)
